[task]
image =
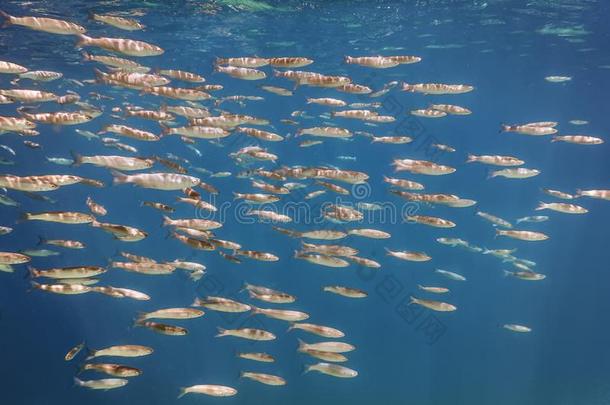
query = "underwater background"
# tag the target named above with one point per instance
(504, 48)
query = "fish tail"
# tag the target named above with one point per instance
(237, 195)
(541, 206)
(413, 300)
(302, 345)
(471, 158)
(118, 177)
(506, 128)
(32, 272)
(78, 159)
(24, 216)
(41, 241)
(499, 232)
(90, 354)
(491, 174)
(554, 139)
(83, 41)
(306, 369)
(8, 18)
(579, 192)
(182, 393)
(165, 130)
(221, 332)
(166, 221)
(291, 327)
(78, 382)
(507, 273)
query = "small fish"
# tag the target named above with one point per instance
(74, 351)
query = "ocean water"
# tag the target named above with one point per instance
(405, 354)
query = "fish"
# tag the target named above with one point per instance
(262, 357)
(433, 305)
(330, 346)
(267, 379)
(450, 275)
(211, 390)
(517, 328)
(157, 181)
(103, 384)
(409, 255)
(562, 207)
(44, 24)
(334, 370)
(127, 24)
(121, 351)
(345, 291)
(164, 329)
(114, 370)
(247, 333)
(73, 352)
(320, 330)
(64, 217)
(522, 235)
(120, 45)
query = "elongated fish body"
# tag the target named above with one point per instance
(334, 370)
(434, 305)
(44, 24)
(103, 384)
(157, 181)
(121, 351)
(267, 379)
(64, 217)
(522, 235)
(211, 390)
(120, 45)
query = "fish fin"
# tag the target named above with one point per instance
(505, 128)
(306, 369)
(541, 206)
(165, 129)
(24, 216)
(8, 19)
(221, 332)
(32, 273)
(78, 382)
(118, 177)
(78, 159)
(83, 41)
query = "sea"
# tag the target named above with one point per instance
(405, 353)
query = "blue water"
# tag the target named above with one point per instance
(404, 354)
